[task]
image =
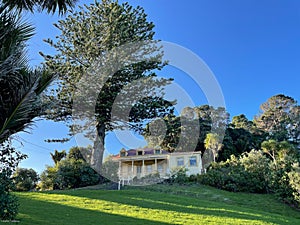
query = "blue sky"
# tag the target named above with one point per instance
(252, 47)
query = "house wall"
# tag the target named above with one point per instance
(192, 169)
(168, 165)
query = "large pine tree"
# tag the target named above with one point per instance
(113, 45)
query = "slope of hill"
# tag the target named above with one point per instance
(156, 205)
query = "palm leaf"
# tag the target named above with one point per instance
(49, 5)
(20, 87)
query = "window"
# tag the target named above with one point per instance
(123, 154)
(149, 169)
(193, 161)
(157, 151)
(180, 161)
(160, 168)
(140, 153)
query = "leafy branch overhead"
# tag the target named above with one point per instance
(21, 87)
(50, 6)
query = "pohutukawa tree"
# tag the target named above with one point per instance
(112, 44)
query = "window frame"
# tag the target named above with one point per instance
(180, 158)
(196, 161)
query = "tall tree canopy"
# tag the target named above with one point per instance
(87, 37)
(188, 131)
(279, 117)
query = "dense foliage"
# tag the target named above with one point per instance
(257, 172)
(9, 160)
(71, 172)
(21, 89)
(25, 179)
(259, 156)
(249, 173)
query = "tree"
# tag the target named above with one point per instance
(241, 136)
(25, 179)
(275, 116)
(58, 156)
(213, 143)
(87, 38)
(241, 121)
(188, 131)
(49, 6)
(294, 126)
(277, 150)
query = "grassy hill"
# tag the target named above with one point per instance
(156, 205)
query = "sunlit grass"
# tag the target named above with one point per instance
(153, 205)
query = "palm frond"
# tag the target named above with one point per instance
(20, 87)
(21, 108)
(49, 5)
(61, 5)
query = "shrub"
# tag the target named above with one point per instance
(9, 160)
(75, 173)
(8, 206)
(178, 175)
(286, 180)
(248, 173)
(294, 183)
(68, 173)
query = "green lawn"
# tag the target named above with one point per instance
(157, 205)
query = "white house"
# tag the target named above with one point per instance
(138, 163)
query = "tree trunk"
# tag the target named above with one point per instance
(98, 149)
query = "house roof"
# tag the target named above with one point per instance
(146, 151)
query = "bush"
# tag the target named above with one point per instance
(294, 183)
(75, 173)
(253, 172)
(248, 173)
(286, 180)
(9, 160)
(68, 173)
(179, 176)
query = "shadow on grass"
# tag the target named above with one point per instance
(39, 212)
(182, 204)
